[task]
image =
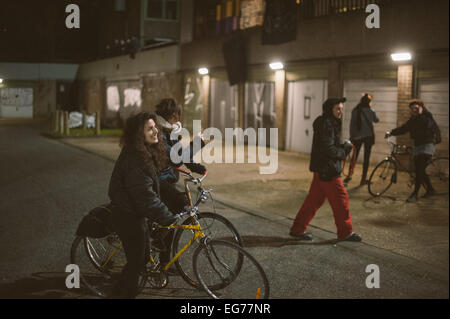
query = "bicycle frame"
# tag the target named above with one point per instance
(197, 234)
(393, 157)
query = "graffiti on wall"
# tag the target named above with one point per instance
(112, 99)
(122, 100)
(132, 98)
(16, 102)
(18, 97)
(260, 104)
(224, 101)
(193, 100)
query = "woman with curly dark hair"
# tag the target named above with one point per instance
(134, 191)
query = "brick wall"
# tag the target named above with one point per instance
(405, 94)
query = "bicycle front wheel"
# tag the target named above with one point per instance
(382, 177)
(214, 226)
(101, 261)
(437, 171)
(214, 268)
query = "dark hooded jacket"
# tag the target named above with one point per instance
(327, 152)
(420, 128)
(134, 189)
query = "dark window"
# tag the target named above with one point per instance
(171, 10)
(155, 9)
(162, 9)
(120, 5)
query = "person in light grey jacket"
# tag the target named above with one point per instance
(362, 131)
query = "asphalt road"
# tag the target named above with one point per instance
(46, 187)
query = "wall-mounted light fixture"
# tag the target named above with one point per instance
(276, 65)
(203, 71)
(1, 80)
(401, 56)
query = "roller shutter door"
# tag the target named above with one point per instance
(384, 94)
(16, 102)
(434, 93)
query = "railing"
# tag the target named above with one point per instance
(316, 8)
(207, 13)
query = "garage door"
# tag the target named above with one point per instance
(224, 101)
(435, 95)
(16, 102)
(259, 106)
(305, 99)
(384, 103)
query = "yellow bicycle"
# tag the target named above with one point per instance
(201, 259)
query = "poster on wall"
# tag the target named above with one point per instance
(193, 100)
(252, 13)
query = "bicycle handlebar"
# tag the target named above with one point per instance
(189, 174)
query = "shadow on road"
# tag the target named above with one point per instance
(50, 285)
(267, 241)
(176, 292)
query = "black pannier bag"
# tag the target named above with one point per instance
(96, 223)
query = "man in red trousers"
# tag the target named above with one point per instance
(326, 156)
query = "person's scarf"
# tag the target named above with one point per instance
(167, 126)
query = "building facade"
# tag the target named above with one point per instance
(328, 48)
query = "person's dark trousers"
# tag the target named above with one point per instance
(368, 143)
(175, 201)
(133, 232)
(420, 163)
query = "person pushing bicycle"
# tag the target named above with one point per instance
(425, 133)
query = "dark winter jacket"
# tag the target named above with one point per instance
(420, 128)
(134, 189)
(327, 153)
(361, 123)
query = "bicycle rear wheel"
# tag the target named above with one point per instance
(214, 226)
(437, 171)
(101, 261)
(213, 267)
(382, 177)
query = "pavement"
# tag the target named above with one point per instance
(419, 231)
(60, 179)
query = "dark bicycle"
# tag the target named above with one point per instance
(386, 172)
